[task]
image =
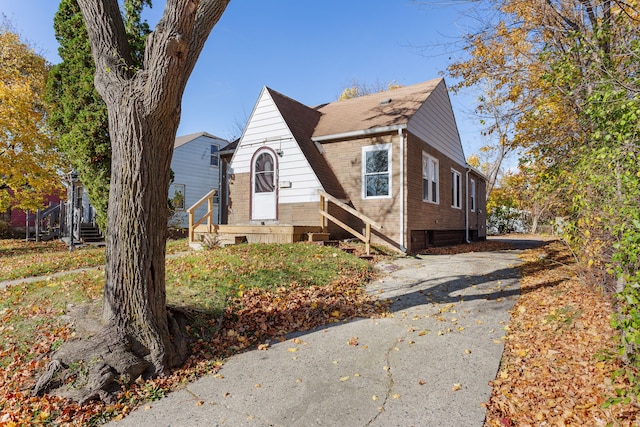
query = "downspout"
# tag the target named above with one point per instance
(219, 216)
(403, 248)
(466, 207)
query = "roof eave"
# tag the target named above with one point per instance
(358, 133)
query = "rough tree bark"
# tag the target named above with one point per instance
(140, 336)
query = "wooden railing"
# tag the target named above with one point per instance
(207, 217)
(325, 198)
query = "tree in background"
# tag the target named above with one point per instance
(78, 113)
(140, 335)
(30, 161)
(521, 201)
(567, 75)
(356, 89)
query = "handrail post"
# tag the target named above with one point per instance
(37, 225)
(323, 207)
(208, 216)
(191, 229)
(367, 234)
(209, 209)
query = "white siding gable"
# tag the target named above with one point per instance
(267, 128)
(435, 124)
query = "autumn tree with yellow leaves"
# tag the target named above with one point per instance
(566, 75)
(29, 162)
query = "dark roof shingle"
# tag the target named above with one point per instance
(301, 121)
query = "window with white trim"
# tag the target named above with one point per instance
(376, 171)
(472, 195)
(429, 178)
(456, 186)
(214, 155)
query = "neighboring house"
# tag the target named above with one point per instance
(18, 218)
(196, 168)
(396, 157)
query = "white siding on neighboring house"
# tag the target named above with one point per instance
(434, 123)
(191, 165)
(267, 128)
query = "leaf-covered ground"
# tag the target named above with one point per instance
(556, 369)
(559, 352)
(329, 288)
(20, 259)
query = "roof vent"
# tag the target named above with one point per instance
(385, 101)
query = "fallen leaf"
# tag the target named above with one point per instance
(456, 387)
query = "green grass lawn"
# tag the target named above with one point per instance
(211, 285)
(20, 259)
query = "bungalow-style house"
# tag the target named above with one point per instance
(395, 158)
(196, 171)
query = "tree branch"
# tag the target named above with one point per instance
(109, 46)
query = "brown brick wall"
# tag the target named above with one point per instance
(426, 222)
(239, 194)
(345, 158)
(429, 216)
(289, 214)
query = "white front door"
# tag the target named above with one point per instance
(264, 198)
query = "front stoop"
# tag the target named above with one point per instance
(318, 237)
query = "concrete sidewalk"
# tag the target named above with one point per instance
(428, 365)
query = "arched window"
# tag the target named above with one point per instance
(264, 174)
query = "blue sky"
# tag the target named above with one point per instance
(307, 50)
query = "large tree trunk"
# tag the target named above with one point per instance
(140, 336)
(134, 295)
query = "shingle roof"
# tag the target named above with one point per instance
(393, 107)
(301, 121)
(230, 148)
(181, 140)
(378, 110)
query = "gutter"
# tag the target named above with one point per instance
(362, 132)
(403, 248)
(466, 206)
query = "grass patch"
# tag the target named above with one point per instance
(206, 279)
(22, 259)
(257, 292)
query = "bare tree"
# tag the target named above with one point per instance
(140, 336)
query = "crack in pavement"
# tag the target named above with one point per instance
(390, 385)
